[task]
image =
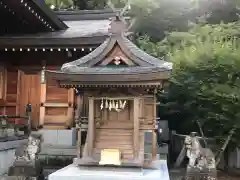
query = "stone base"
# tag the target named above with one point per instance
(26, 171)
(74, 172)
(90, 161)
(7, 150)
(194, 173)
(18, 178)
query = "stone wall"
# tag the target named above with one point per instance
(58, 137)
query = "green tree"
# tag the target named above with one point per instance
(60, 4)
(205, 82)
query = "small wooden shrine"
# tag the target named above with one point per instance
(119, 81)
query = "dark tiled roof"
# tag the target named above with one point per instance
(29, 16)
(86, 28)
(85, 15)
(79, 33)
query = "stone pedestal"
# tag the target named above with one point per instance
(25, 171)
(97, 172)
(7, 150)
(26, 164)
(194, 173)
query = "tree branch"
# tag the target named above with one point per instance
(201, 132)
(230, 134)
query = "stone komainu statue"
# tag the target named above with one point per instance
(201, 164)
(28, 152)
(26, 164)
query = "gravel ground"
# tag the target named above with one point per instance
(177, 174)
(224, 176)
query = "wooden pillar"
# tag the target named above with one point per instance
(77, 120)
(136, 125)
(42, 97)
(70, 111)
(18, 92)
(4, 90)
(90, 126)
(154, 136)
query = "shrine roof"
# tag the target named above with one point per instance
(128, 47)
(116, 60)
(29, 16)
(83, 30)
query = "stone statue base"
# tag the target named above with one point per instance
(26, 171)
(26, 165)
(194, 173)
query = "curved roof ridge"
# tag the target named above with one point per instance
(136, 51)
(131, 50)
(85, 59)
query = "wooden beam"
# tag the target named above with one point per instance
(42, 100)
(90, 126)
(136, 126)
(50, 104)
(56, 119)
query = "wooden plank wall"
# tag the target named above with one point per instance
(10, 93)
(50, 104)
(57, 106)
(116, 129)
(18, 89)
(11, 85)
(29, 91)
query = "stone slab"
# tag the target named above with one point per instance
(110, 173)
(11, 144)
(6, 160)
(7, 150)
(59, 137)
(58, 150)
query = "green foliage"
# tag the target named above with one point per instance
(90, 4)
(205, 82)
(60, 4)
(176, 41)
